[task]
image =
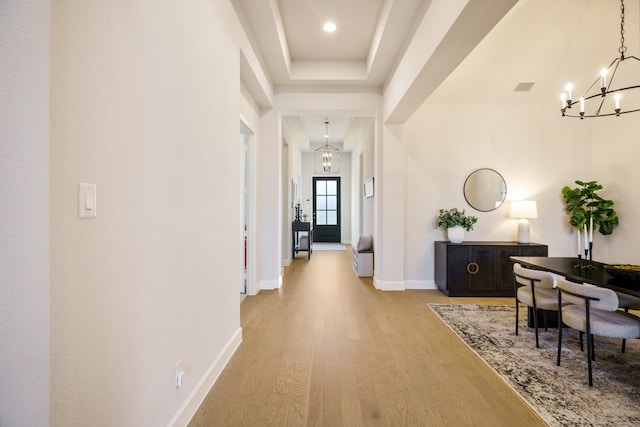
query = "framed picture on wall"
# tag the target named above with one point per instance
(368, 188)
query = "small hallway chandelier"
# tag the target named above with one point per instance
(596, 101)
(327, 157)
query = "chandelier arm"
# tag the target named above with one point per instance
(596, 81)
(576, 116)
(615, 69)
(608, 92)
(565, 112)
(602, 98)
(624, 88)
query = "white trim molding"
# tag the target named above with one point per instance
(388, 286)
(421, 284)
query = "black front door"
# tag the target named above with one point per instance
(326, 209)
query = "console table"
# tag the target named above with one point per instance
(476, 269)
(301, 238)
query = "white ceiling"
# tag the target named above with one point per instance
(544, 42)
(370, 36)
(547, 42)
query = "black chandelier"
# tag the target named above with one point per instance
(601, 106)
(327, 158)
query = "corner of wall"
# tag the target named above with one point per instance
(388, 285)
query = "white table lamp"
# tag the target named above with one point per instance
(523, 209)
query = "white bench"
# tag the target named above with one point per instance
(363, 257)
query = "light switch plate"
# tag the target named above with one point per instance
(86, 200)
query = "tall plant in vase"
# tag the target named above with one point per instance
(587, 209)
(584, 206)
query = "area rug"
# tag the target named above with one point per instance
(559, 394)
(328, 246)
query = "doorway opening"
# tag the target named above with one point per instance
(246, 139)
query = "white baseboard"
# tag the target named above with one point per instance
(388, 286)
(270, 285)
(197, 396)
(421, 284)
(404, 285)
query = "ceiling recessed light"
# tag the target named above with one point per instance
(329, 27)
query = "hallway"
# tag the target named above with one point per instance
(328, 349)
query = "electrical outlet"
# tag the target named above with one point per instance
(179, 373)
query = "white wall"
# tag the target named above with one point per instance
(615, 165)
(535, 150)
(291, 172)
(368, 172)
(389, 260)
(24, 213)
(251, 120)
(361, 169)
(269, 200)
(285, 184)
(145, 104)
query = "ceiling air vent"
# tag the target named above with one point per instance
(524, 87)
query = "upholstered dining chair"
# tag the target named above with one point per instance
(628, 302)
(594, 311)
(536, 289)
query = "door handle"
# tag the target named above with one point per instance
(473, 268)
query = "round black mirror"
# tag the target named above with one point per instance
(485, 190)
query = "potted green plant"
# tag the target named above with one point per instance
(583, 205)
(455, 222)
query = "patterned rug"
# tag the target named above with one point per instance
(559, 394)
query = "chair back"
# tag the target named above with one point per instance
(540, 279)
(578, 294)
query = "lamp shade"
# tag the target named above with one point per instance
(524, 209)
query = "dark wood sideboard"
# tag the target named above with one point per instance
(476, 269)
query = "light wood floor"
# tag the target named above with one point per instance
(328, 349)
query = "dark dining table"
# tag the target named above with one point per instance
(571, 269)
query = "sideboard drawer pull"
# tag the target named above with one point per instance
(473, 268)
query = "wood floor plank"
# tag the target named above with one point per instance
(315, 408)
(328, 349)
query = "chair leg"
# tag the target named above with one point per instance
(517, 306)
(581, 345)
(559, 337)
(589, 356)
(535, 325)
(624, 341)
(544, 318)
